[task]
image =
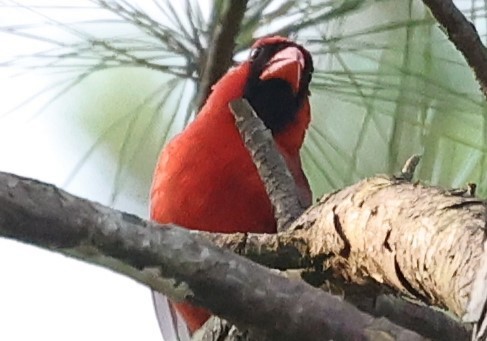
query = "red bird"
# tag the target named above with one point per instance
(205, 178)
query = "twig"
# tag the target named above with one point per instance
(407, 171)
(463, 35)
(278, 181)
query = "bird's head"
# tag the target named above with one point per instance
(277, 86)
(275, 80)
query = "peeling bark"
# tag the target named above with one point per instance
(422, 241)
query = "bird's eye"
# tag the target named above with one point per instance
(255, 53)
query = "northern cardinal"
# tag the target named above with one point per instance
(205, 178)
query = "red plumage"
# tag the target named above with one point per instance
(205, 178)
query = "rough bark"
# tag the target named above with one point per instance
(182, 265)
(423, 242)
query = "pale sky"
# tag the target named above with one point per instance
(44, 295)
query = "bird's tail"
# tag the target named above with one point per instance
(173, 327)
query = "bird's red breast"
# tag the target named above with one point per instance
(205, 178)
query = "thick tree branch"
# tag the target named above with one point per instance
(421, 241)
(182, 265)
(463, 35)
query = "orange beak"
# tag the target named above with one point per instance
(286, 64)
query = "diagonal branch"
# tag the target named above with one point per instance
(275, 175)
(182, 265)
(463, 35)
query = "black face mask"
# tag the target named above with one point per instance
(274, 99)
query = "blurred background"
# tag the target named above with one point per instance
(91, 90)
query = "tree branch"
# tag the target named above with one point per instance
(463, 35)
(275, 175)
(368, 233)
(220, 52)
(182, 265)
(423, 241)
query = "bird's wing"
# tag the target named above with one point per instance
(173, 327)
